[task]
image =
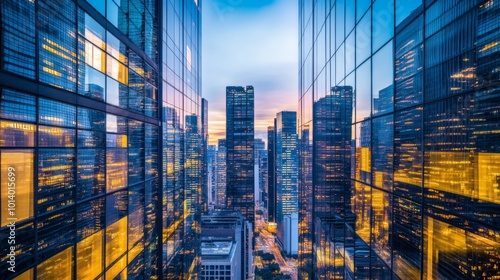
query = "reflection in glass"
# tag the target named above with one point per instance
(382, 22)
(383, 89)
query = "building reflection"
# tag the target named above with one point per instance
(424, 187)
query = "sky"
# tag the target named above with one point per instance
(249, 42)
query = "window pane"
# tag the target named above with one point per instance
(89, 260)
(382, 22)
(382, 152)
(91, 170)
(116, 169)
(58, 267)
(383, 89)
(17, 106)
(406, 8)
(57, 113)
(49, 136)
(57, 43)
(363, 39)
(15, 134)
(56, 181)
(18, 172)
(18, 37)
(363, 91)
(91, 119)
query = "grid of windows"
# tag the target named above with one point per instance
(424, 113)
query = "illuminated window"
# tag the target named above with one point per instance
(119, 268)
(27, 275)
(19, 164)
(56, 113)
(117, 169)
(89, 260)
(14, 134)
(56, 137)
(116, 240)
(58, 267)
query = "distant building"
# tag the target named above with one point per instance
(221, 174)
(286, 166)
(240, 150)
(227, 240)
(290, 233)
(220, 259)
(271, 178)
(204, 156)
(212, 175)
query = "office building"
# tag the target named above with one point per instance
(228, 237)
(262, 179)
(240, 150)
(212, 176)
(286, 164)
(271, 178)
(204, 156)
(89, 122)
(221, 173)
(220, 259)
(259, 149)
(423, 179)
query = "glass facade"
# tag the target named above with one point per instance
(100, 117)
(240, 150)
(286, 164)
(398, 127)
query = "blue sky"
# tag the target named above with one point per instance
(249, 42)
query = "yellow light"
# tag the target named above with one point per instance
(489, 46)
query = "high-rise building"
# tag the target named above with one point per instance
(240, 150)
(221, 173)
(417, 197)
(262, 179)
(259, 149)
(286, 164)
(271, 178)
(212, 176)
(96, 141)
(204, 156)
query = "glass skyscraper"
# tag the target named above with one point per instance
(240, 150)
(271, 170)
(286, 164)
(100, 106)
(408, 163)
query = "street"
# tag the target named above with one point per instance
(265, 242)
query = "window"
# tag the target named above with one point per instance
(17, 106)
(56, 113)
(17, 172)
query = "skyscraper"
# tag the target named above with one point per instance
(221, 173)
(212, 175)
(423, 132)
(286, 164)
(271, 178)
(204, 156)
(259, 146)
(240, 150)
(91, 130)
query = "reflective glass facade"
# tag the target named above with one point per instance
(107, 168)
(240, 150)
(286, 164)
(398, 124)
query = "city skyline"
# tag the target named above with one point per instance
(249, 139)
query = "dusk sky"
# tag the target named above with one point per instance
(249, 42)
